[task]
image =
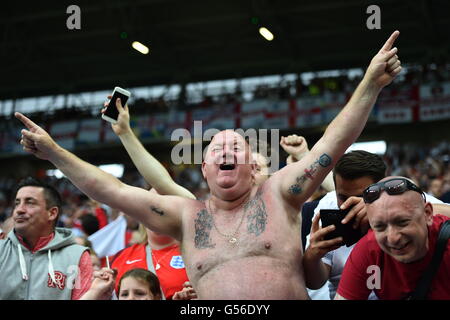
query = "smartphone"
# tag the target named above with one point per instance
(111, 114)
(349, 235)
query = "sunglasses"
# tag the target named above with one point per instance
(392, 187)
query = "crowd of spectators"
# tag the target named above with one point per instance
(433, 74)
(429, 166)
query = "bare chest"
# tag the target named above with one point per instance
(260, 229)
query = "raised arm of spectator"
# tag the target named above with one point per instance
(297, 147)
(298, 181)
(150, 168)
(161, 214)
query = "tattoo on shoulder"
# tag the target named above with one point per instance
(323, 161)
(203, 226)
(256, 215)
(157, 210)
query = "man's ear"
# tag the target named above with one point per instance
(429, 214)
(204, 170)
(254, 166)
(53, 213)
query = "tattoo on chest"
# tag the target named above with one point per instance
(157, 210)
(203, 226)
(256, 215)
(323, 161)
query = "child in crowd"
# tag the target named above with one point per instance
(139, 284)
(135, 284)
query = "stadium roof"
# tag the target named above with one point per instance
(202, 40)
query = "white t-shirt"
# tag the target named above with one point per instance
(336, 258)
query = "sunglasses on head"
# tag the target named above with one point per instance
(392, 187)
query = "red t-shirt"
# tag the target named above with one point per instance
(171, 272)
(102, 218)
(397, 279)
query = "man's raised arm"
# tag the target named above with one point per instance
(297, 181)
(150, 168)
(158, 213)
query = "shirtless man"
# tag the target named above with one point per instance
(243, 242)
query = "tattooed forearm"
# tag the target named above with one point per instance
(203, 226)
(323, 161)
(157, 210)
(295, 189)
(257, 216)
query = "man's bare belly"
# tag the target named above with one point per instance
(252, 278)
(264, 263)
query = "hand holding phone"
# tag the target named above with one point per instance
(349, 235)
(111, 114)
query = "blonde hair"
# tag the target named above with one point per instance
(142, 236)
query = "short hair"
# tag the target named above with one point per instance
(147, 276)
(51, 195)
(359, 163)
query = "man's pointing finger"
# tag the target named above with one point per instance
(27, 122)
(390, 42)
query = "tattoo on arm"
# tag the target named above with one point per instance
(323, 161)
(295, 189)
(203, 226)
(157, 210)
(257, 216)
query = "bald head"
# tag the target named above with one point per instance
(228, 166)
(393, 185)
(400, 222)
(223, 143)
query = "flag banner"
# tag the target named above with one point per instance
(110, 239)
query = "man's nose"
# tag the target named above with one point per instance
(393, 236)
(20, 207)
(228, 152)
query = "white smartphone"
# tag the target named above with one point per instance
(111, 114)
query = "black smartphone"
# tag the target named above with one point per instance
(349, 235)
(111, 114)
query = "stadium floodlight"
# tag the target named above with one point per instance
(140, 47)
(266, 33)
